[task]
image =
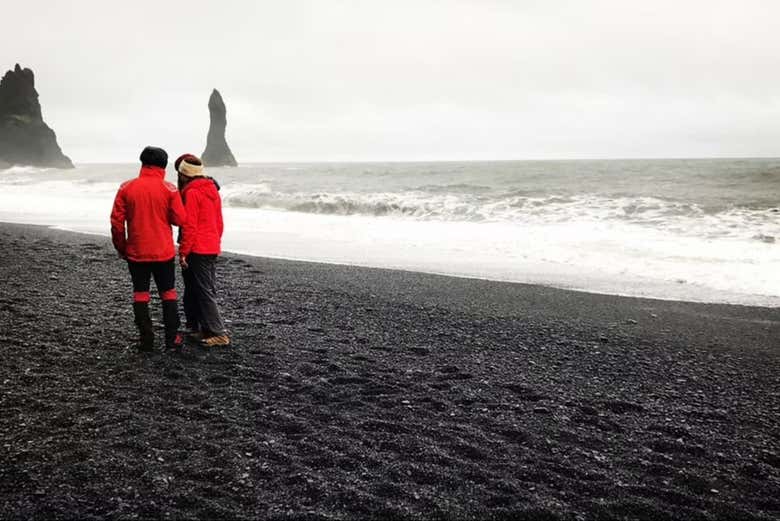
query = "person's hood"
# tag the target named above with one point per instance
(206, 186)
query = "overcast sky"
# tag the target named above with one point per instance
(398, 80)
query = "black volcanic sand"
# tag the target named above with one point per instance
(357, 393)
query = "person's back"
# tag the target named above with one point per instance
(144, 210)
(203, 233)
(149, 205)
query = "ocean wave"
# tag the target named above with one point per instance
(17, 169)
(20, 175)
(454, 188)
(511, 207)
(416, 205)
(769, 239)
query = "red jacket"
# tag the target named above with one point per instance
(149, 205)
(202, 231)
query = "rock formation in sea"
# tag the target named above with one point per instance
(217, 151)
(24, 137)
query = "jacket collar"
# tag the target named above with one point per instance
(195, 182)
(152, 171)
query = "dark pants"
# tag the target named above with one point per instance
(200, 295)
(164, 274)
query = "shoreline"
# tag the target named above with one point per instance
(363, 393)
(550, 285)
(65, 229)
(720, 323)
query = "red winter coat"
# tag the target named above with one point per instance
(149, 205)
(202, 231)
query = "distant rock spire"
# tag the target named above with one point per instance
(24, 137)
(217, 151)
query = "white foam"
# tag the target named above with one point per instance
(685, 219)
(569, 255)
(574, 242)
(17, 169)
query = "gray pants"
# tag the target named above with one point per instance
(200, 295)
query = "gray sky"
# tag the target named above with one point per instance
(405, 80)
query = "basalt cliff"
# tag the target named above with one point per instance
(217, 151)
(24, 137)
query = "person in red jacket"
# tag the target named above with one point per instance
(144, 210)
(200, 244)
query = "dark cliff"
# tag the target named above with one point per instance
(24, 137)
(217, 151)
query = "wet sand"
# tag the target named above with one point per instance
(355, 393)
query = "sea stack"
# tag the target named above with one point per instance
(217, 151)
(24, 138)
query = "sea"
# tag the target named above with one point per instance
(704, 230)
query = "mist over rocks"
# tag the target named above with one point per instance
(217, 151)
(25, 139)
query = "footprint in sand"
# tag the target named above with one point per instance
(525, 393)
(515, 435)
(467, 451)
(219, 380)
(676, 447)
(173, 374)
(349, 380)
(621, 407)
(290, 427)
(452, 372)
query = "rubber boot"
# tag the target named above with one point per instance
(173, 339)
(144, 323)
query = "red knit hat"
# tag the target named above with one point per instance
(189, 158)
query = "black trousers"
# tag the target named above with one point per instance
(164, 274)
(200, 294)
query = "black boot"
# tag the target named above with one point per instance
(144, 323)
(171, 321)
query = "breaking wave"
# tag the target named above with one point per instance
(516, 207)
(20, 175)
(16, 169)
(618, 227)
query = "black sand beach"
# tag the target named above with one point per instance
(356, 393)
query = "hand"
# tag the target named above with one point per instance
(183, 262)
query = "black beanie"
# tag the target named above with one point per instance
(154, 156)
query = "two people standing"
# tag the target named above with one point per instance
(144, 210)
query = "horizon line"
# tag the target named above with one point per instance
(479, 160)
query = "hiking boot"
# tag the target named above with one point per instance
(195, 336)
(173, 339)
(176, 342)
(144, 323)
(192, 332)
(216, 341)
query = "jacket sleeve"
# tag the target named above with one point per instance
(176, 213)
(118, 217)
(220, 223)
(190, 226)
